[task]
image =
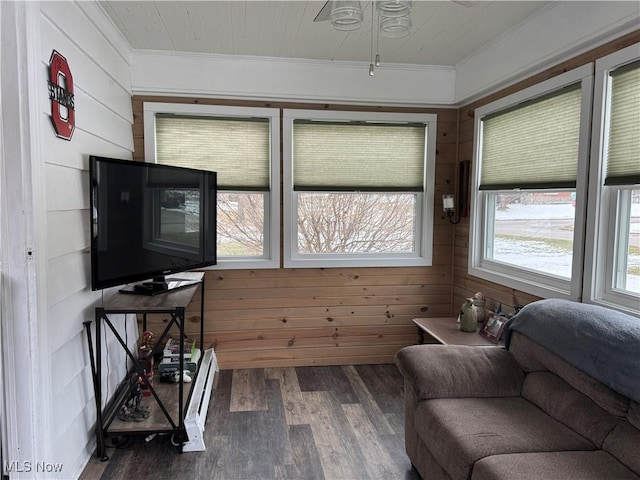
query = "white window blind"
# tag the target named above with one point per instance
(334, 156)
(534, 144)
(623, 160)
(237, 148)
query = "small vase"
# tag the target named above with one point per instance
(468, 316)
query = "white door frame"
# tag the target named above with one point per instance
(25, 358)
(3, 422)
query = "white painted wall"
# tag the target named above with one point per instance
(99, 62)
(556, 33)
(247, 77)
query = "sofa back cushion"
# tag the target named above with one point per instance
(533, 357)
(634, 414)
(608, 419)
(601, 342)
(569, 406)
(624, 440)
(624, 443)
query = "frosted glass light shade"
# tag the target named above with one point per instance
(395, 27)
(346, 15)
(394, 8)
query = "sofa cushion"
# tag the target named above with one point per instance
(533, 357)
(624, 444)
(441, 371)
(600, 341)
(461, 431)
(634, 414)
(557, 398)
(592, 465)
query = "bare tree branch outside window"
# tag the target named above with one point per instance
(327, 223)
(356, 223)
(240, 224)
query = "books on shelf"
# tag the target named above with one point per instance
(172, 348)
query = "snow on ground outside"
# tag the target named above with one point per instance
(540, 256)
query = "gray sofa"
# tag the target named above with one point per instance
(561, 402)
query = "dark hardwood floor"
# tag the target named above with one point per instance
(338, 422)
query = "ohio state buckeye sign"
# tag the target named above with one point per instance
(63, 114)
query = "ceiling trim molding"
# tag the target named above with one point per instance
(286, 79)
(298, 61)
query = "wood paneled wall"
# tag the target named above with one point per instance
(324, 316)
(465, 285)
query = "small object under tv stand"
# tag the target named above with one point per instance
(182, 417)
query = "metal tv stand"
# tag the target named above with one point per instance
(168, 403)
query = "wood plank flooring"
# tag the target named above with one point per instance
(334, 422)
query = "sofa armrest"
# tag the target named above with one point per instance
(451, 371)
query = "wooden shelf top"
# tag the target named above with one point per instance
(168, 394)
(447, 331)
(181, 297)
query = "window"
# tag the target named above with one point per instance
(242, 145)
(358, 188)
(529, 187)
(614, 214)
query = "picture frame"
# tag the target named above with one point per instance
(493, 326)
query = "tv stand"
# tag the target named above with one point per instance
(176, 408)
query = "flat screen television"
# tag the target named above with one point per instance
(148, 221)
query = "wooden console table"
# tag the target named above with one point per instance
(446, 330)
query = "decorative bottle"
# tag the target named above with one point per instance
(468, 316)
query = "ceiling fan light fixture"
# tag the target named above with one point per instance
(396, 27)
(346, 15)
(394, 8)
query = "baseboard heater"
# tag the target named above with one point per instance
(196, 415)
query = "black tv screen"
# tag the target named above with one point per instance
(148, 221)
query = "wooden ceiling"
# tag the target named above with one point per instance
(444, 32)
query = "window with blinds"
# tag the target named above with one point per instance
(529, 186)
(358, 157)
(533, 145)
(623, 158)
(237, 148)
(358, 188)
(619, 130)
(241, 144)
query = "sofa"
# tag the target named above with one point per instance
(561, 401)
